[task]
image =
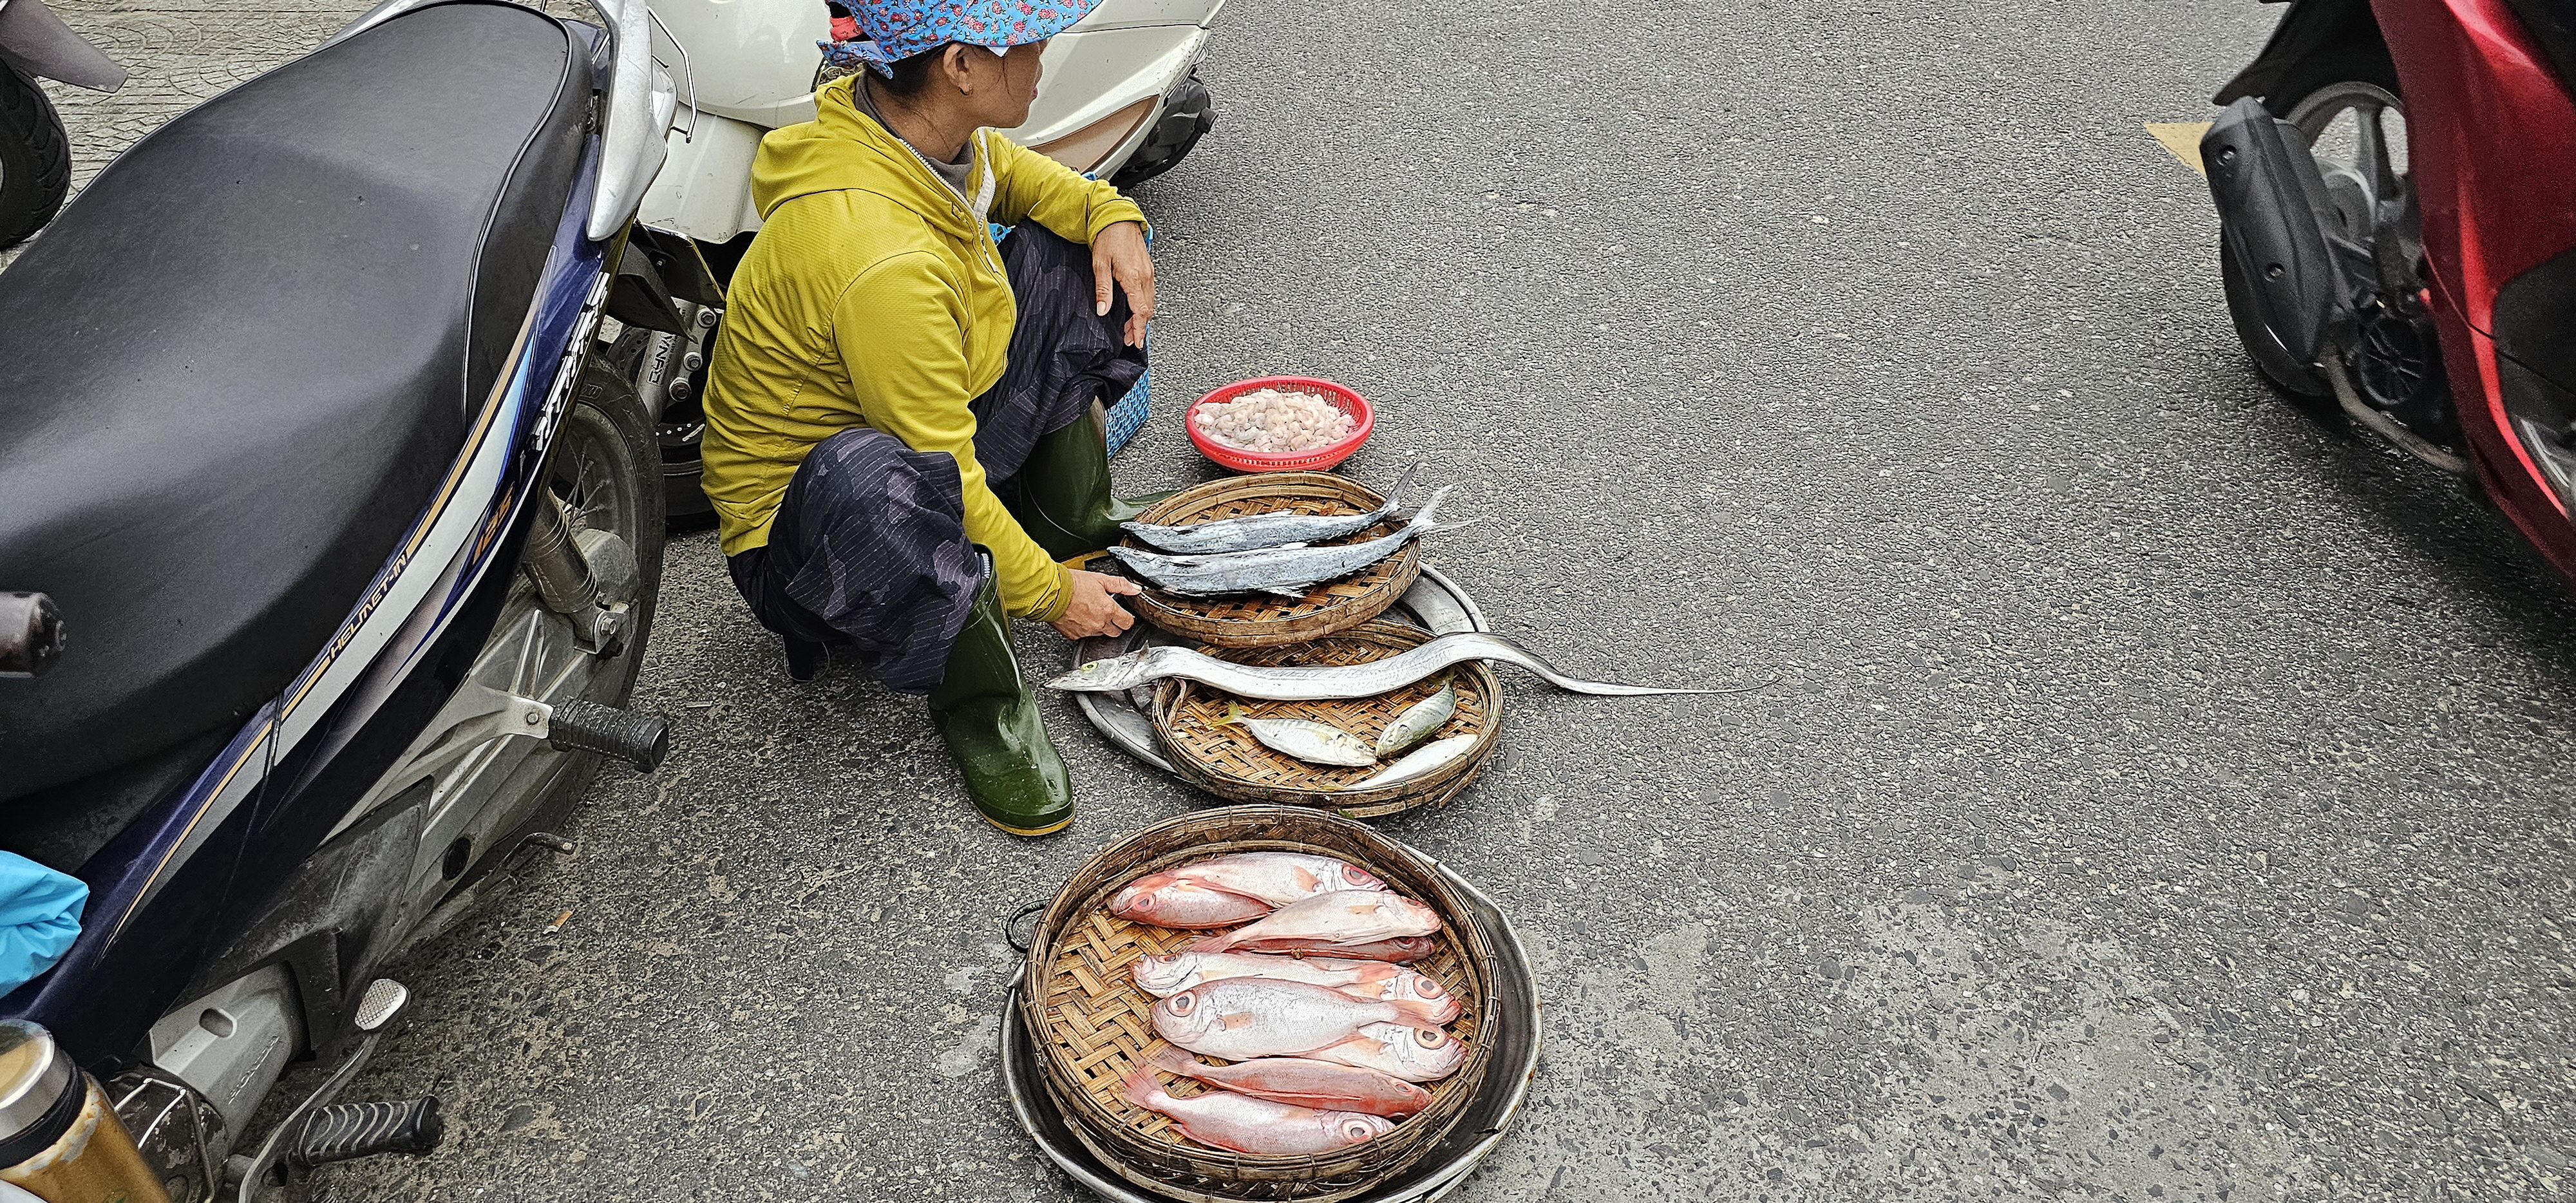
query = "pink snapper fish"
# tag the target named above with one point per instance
(1164, 900)
(1240, 1123)
(1279, 878)
(1166, 974)
(1300, 1082)
(1245, 1017)
(1344, 917)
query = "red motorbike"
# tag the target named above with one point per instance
(2396, 188)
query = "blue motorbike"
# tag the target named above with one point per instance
(329, 537)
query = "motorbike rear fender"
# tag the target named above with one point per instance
(2311, 29)
(1103, 90)
(2270, 197)
(35, 41)
(704, 190)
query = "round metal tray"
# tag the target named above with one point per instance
(1434, 603)
(1515, 1028)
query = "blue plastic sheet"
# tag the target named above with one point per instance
(39, 918)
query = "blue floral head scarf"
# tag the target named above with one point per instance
(893, 30)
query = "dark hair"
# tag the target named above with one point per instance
(911, 75)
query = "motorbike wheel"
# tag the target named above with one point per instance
(606, 472)
(2361, 162)
(1188, 114)
(680, 433)
(35, 158)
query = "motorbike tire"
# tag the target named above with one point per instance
(35, 158)
(2303, 387)
(1188, 114)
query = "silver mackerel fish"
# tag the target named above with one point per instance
(1306, 683)
(1287, 571)
(1254, 531)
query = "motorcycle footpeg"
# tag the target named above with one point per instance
(641, 740)
(347, 1131)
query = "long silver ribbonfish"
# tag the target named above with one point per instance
(1287, 571)
(1316, 682)
(1255, 531)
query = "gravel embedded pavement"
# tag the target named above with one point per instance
(2159, 797)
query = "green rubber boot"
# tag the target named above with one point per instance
(989, 718)
(1061, 495)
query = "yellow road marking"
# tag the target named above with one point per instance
(2183, 139)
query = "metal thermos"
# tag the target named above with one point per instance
(59, 1136)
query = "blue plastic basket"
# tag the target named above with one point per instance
(1128, 415)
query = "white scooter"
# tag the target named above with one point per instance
(1120, 100)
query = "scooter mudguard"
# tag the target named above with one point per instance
(2269, 195)
(37, 42)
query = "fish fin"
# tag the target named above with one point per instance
(1238, 1020)
(1140, 1088)
(1376, 971)
(1306, 880)
(1172, 1060)
(1233, 713)
(1216, 943)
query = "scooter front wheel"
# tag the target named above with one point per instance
(2347, 107)
(35, 158)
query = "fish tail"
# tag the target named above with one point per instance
(1140, 1088)
(1422, 517)
(1216, 943)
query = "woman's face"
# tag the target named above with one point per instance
(1007, 85)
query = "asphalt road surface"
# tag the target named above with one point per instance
(2160, 798)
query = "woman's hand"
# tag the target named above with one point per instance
(1093, 610)
(1118, 257)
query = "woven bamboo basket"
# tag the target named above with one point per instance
(1224, 759)
(1092, 1025)
(1261, 619)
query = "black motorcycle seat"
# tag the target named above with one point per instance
(246, 356)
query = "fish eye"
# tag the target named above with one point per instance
(1181, 1004)
(1430, 1039)
(1427, 988)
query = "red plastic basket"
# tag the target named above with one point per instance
(1321, 459)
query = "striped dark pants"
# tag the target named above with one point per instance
(869, 548)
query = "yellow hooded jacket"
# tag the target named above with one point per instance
(873, 296)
